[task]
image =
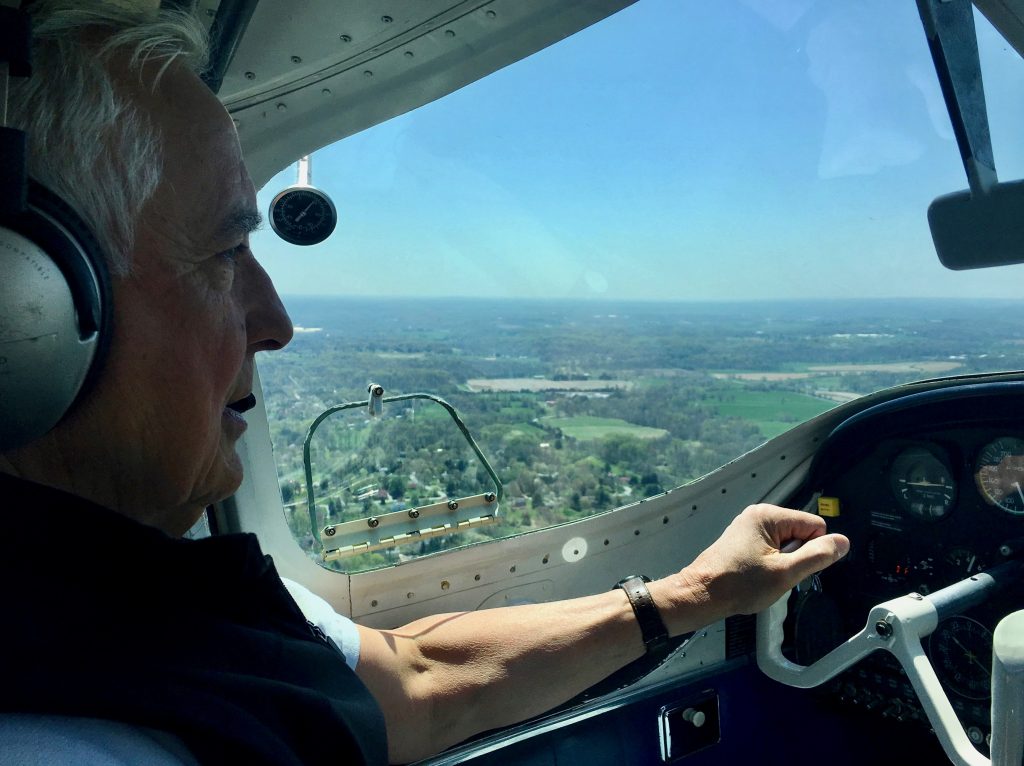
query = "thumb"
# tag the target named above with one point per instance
(817, 554)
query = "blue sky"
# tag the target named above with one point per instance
(678, 150)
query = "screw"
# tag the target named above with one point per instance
(414, 514)
(373, 603)
(449, 33)
(377, 390)
(386, 19)
(250, 75)
(409, 54)
(917, 596)
(345, 38)
(296, 59)
(490, 497)
(367, 73)
(330, 531)
(326, 91)
(372, 522)
(282, 107)
(452, 505)
(445, 585)
(883, 629)
(491, 14)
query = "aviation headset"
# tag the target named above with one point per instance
(55, 302)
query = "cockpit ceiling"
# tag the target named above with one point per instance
(307, 74)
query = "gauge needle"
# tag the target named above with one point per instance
(302, 215)
(1016, 485)
(970, 655)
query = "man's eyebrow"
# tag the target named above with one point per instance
(241, 222)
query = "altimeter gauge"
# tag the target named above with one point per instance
(999, 474)
(923, 483)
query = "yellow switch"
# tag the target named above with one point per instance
(828, 506)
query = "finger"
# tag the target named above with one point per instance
(785, 524)
(817, 554)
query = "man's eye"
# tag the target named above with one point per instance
(233, 254)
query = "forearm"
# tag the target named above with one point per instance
(476, 671)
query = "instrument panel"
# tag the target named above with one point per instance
(929, 492)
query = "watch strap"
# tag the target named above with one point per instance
(652, 627)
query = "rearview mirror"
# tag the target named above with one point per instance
(975, 230)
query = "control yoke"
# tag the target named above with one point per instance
(897, 626)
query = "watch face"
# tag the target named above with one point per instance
(303, 215)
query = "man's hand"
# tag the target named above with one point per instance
(746, 570)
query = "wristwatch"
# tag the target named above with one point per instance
(652, 627)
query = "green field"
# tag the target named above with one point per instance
(587, 428)
(772, 411)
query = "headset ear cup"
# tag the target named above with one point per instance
(55, 316)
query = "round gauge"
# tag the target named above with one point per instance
(963, 562)
(999, 474)
(961, 649)
(303, 215)
(922, 483)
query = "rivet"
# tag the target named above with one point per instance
(693, 507)
(449, 33)
(296, 59)
(345, 38)
(917, 597)
(386, 19)
(445, 585)
(330, 531)
(409, 54)
(489, 497)
(664, 519)
(367, 73)
(326, 91)
(512, 569)
(491, 14)
(250, 75)
(724, 490)
(476, 577)
(282, 107)
(607, 541)
(452, 505)
(414, 514)
(372, 522)
(410, 594)
(544, 560)
(636, 531)
(373, 603)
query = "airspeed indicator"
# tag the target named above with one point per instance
(999, 474)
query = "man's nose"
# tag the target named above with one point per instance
(268, 325)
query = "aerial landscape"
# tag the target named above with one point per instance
(582, 406)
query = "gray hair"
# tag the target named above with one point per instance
(87, 142)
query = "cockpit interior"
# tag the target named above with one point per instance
(911, 649)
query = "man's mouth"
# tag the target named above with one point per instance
(244, 404)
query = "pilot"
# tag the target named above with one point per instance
(123, 638)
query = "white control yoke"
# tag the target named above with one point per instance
(897, 626)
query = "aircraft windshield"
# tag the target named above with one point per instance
(632, 257)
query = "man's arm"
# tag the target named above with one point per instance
(441, 679)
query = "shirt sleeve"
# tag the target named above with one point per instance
(338, 628)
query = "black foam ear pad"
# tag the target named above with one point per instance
(55, 315)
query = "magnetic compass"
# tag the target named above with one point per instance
(303, 215)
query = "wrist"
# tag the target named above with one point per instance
(684, 601)
(652, 626)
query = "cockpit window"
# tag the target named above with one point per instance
(629, 259)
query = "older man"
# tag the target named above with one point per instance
(180, 649)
